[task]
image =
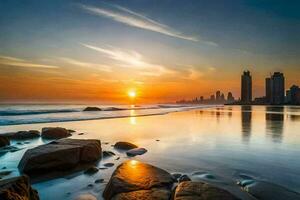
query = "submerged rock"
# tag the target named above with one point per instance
(189, 190)
(23, 135)
(262, 190)
(136, 151)
(136, 179)
(106, 154)
(4, 141)
(91, 170)
(55, 133)
(92, 109)
(59, 155)
(101, 180)
(184, 178)
(17, 188)
(108, 164)
(125, 146)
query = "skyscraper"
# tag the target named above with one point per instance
(230, 97)
(246, 87)
(218, 95)
(268, 90)
(278, 88)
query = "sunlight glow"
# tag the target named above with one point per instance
(132, 94)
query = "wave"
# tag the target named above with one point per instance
(35, 112)
(76, 114)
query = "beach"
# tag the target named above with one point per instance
(221, 145)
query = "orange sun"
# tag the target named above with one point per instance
(131, 94)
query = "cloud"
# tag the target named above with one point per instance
(17, 62)
(131, 59)
(86, 64)
(131, 18)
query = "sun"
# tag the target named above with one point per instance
(131, 94)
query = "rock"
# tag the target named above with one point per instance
(86, 197)
(23, 135)
(157, 140)
(106, 154)
(80, 133)
(189, 190)
(4, 141)
(55, 133)
(99, 180)
(136, 177)
(265, 191)
(63, 154)
(176, 176)
(4, 173)
(125, 146)
(92, 109)
(91, 170)
(136, 151)
(7, 149)
(17, 188)
(108, 164)
(118, 158)
(153, 194)
(71, 131)
(184, 178)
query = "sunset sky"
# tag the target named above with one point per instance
(165, 50)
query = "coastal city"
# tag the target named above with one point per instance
(275, 93)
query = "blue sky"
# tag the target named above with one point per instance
(139, 43)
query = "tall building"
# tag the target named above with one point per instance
(218, 95)
(268, 90)
(277, 88)
(294, 95)
(246, 87)
(230, 97)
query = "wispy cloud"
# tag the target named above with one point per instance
(17, 62)
(131, 18)
(72, 61)
(131, 59)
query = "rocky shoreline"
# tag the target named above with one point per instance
(131, 179)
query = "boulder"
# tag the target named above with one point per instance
(153, 194)
(136, 179)
(4, 141)
(23, 135)
(59, 155)
(136, 151)
(17, 188)
(189, 190)
(55, 133)
(125, 146)
(92, 109)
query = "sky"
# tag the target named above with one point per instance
(164, 50)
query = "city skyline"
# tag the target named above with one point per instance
(98, 51)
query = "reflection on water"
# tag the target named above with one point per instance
(246, 117)
(257, 141)
(275, 122)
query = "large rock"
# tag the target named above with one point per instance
(153, 194)
(17, 188)
(92, 109)
(60, 155)
(189, 190)
(136, 179)
(55, 133)
(4, 141)
(23, 135)
(125, 146)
